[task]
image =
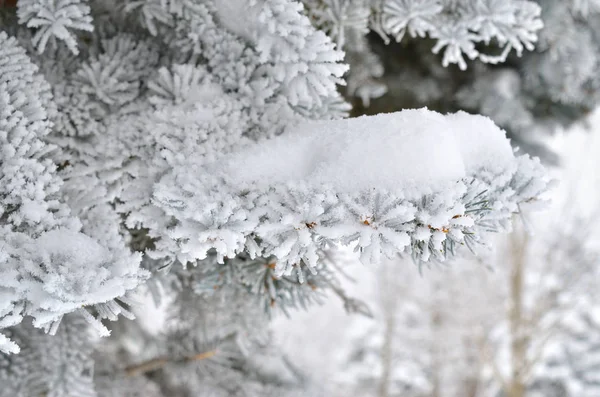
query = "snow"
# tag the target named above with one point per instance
(482, 144)
(76, 265)
(33, 211)
(239, 17)
(8, 346)
(64, 270)
(377, 181)
(79, 249)
(417, 151)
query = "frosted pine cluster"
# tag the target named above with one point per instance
(414, 181)
(197, 151)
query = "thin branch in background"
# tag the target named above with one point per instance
(351, 305)
(158, 363)
(488, 358)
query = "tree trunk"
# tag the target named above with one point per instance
(471, 387)
(436, 365)
(389, 300)
(387, 354)
(518, 344)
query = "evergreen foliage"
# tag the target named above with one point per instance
(135, 142)
(528, 65)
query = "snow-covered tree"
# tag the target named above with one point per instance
(570, 368)
(547, 300)
(197, 150)
(425, 338)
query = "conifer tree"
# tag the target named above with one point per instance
(198, 151)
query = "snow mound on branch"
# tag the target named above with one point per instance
(417, 151)
(413, 182)
(76, 270)
(81, 248)
(63, 271)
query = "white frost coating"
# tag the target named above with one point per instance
(73, 249)
(239, 17)
(80, 154)
(8, 346)
(74, 270)
(418, 151)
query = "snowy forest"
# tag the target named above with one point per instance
(299, 198)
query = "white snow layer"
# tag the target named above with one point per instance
(413, 182)
(417, 151)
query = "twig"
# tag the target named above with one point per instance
(157, 363)
(147, 366)
(352, 305)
